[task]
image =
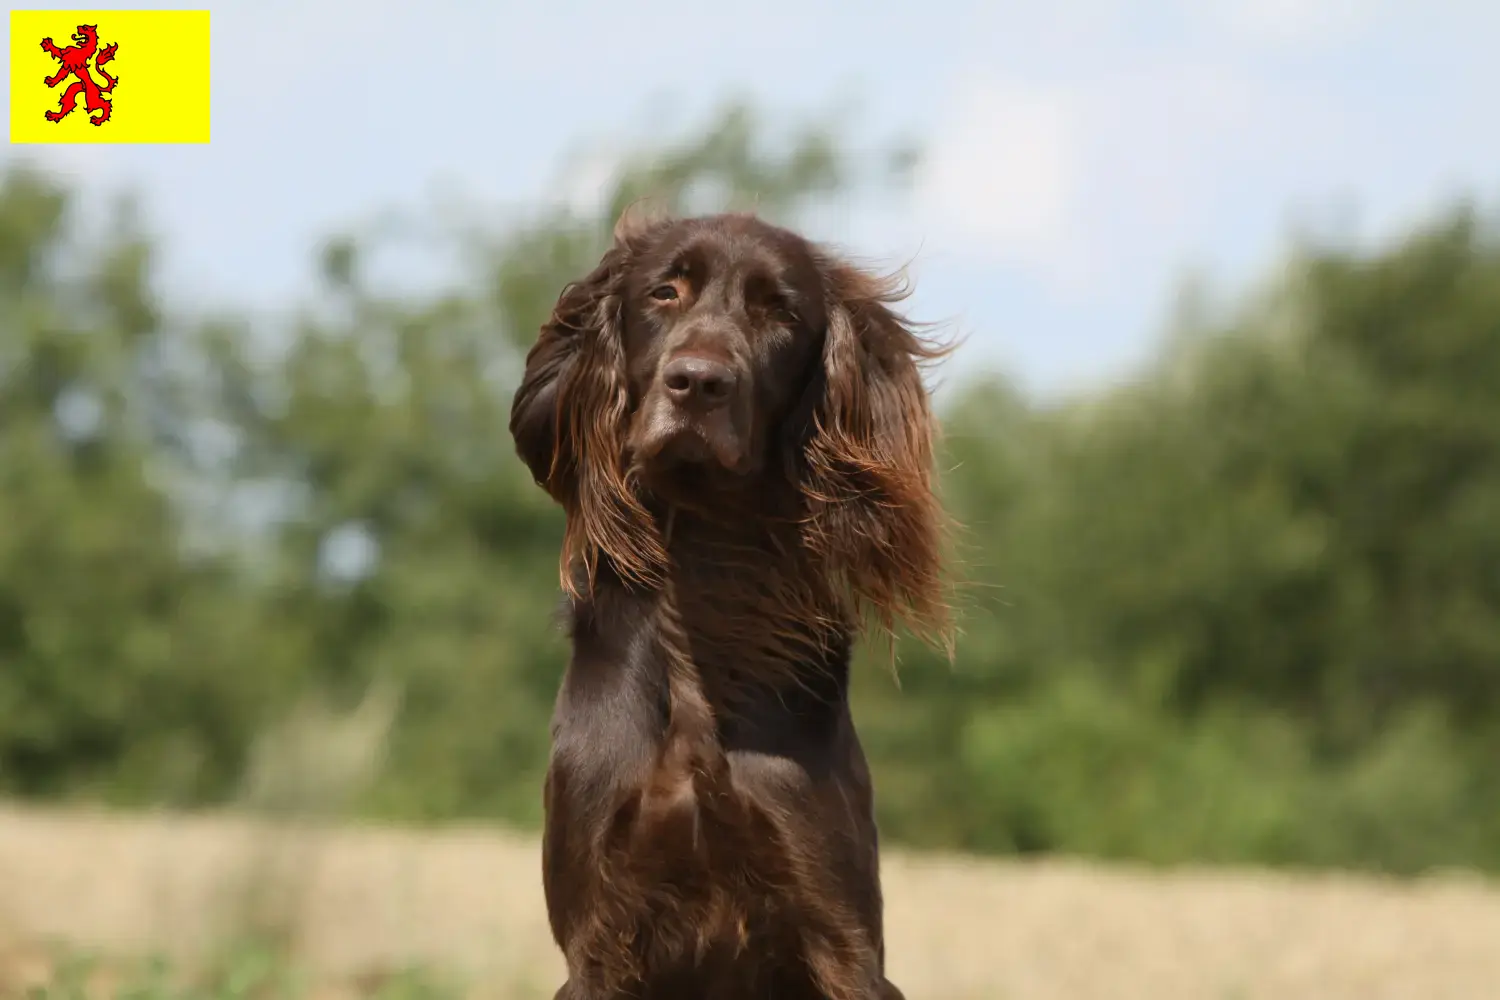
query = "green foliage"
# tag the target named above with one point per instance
(1248, 601)
(1243, 608)
(132, 667)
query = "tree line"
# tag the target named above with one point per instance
(1243, 608)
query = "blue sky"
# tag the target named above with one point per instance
(1080, 153)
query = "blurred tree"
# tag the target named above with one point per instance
(1250, 575)
(125, 665)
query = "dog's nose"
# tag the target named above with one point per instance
(697, 381)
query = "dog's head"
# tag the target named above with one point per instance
(711, 361)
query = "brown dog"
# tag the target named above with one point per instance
(735, 423)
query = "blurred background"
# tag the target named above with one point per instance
(1224, 436)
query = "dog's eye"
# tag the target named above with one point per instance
(664, 293)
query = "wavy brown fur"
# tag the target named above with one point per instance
(578, 362)
(872, 512)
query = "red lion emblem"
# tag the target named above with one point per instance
(75, 62)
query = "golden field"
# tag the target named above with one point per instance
(355, 899)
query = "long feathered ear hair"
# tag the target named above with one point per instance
(570, 417)
(872, 512)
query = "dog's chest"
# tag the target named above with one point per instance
(722, 904)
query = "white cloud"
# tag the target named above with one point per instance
(1004, 171)
(590, 178)
(1076, 185)
(1292, 22)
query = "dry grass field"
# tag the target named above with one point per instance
(470, 901)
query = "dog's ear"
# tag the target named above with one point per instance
(570, 417)
(873, 514)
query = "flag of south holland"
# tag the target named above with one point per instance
(116, 76)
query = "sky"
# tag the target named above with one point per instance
(1080, 156)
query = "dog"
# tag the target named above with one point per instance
(734, 422)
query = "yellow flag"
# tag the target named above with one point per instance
(109, 76)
